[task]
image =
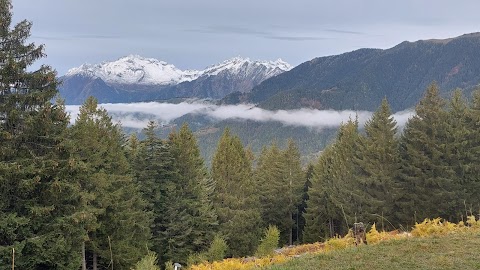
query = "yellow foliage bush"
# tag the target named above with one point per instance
(241, 263)
(339, 242)
(374, 236)
(433, 227)
(428, 227)
(302, 249)
(438, 226)
(475, 224)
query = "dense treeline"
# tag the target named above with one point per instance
(83, 196)
(431, 169)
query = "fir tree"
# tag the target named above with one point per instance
(457, 150)
(378, 162)
(302, 207)
(280, 178)
(269, 173)
(295, 183)
(234, 198)
(193, 196)
(426, 178)
(155, 173)
(118, 229)
(38, 197)
(471, 148)
(322, 215)
(335, 197)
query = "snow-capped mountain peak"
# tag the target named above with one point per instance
(239, 64)
(134, 69)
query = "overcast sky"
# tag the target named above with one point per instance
(192, 34)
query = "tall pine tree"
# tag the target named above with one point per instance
(155, 172)
(426, 178)
(471, 154)
(118, 228)
(335, 198)
(378, 164)
(38, 197)
(235, 197)
(280, 179)
(192, 204)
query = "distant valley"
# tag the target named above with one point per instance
(356, 81)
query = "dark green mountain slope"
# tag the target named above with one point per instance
(360, 79)
(253, 134)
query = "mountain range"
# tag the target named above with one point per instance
(360, 79)
(135, 78)
(356, 80)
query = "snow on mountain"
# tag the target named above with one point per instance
(238, 65)
(134, 69)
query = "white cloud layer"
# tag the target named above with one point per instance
(137, 115)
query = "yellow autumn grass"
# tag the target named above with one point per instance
(241, 264)
(429, 227)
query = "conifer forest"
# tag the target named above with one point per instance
(89, 196)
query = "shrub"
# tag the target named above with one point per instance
(472, 222)
(196, 258)
(169, 265)
(339, 242)
(433, 227)
(149, 262)
(217, 249)
(374, 236)
(269, 243)
(215, 252)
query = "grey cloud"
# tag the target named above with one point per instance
(74, 37)
(228, 30)
(295, 38)
(137, 115)
(252, 32)
(344, 32)
(236, 30)
(89, 36)
(53, 38)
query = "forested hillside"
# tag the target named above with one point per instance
(360, 79)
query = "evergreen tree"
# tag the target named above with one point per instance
(38, 197)
(335, 198)
(295, 183)
(322, 216)
(155, 173)
(118, 229)
(471, 154)
(426, 178)
(280, 178)
(457, 150)
(193, 197)
(378, 163)
(302, 207)
(234, 198)
(269, 173)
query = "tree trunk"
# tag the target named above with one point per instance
(290, 235)
(94, 261)
(84, 259)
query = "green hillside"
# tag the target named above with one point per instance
(360, 79)
(454, 251)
